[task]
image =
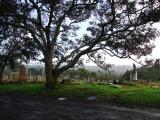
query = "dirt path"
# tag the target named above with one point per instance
(17, 106)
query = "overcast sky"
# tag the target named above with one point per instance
(155, 54)
(117, 61)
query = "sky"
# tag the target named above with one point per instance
(117, 61)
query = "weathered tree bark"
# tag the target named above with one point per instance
(1, 72)
(1, 75)
(51, 74)
(50, 82)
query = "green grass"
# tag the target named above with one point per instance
(137, 94)
(25, 88)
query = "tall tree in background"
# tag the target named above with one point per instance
(119, 28)
(14, 45)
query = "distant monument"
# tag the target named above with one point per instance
(43, 71)
(133, 74)
(22, 73)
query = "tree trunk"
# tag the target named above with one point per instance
(51, 74)
(1, 73)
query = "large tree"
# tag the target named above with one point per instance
(116, 27)
(14, 48)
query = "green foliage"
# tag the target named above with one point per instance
(126, 75)
(104, 76)
(34, 71)
(84, 74)
(25, 88)
(145, 73)
(151, 73)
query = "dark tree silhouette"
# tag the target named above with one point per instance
(14, 46)
(13, 49)
(116, 27)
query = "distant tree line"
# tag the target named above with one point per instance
(90, 76)
(149, 71)
(33, 71)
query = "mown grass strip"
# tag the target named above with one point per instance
(133, 95)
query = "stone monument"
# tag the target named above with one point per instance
(133, 75)
(22, 73)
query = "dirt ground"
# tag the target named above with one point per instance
(17, 106)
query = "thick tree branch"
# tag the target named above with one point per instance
(28, 29)
(61, 19)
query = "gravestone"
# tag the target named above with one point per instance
(133, 75)
(66, 81)
(43, 72)
(22, 73)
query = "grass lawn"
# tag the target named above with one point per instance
(138, 94)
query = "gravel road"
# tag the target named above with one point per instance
(18, 106)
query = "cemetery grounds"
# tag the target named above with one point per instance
(131, 101)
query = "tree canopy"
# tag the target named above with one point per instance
(120, 28)
(14, 45)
